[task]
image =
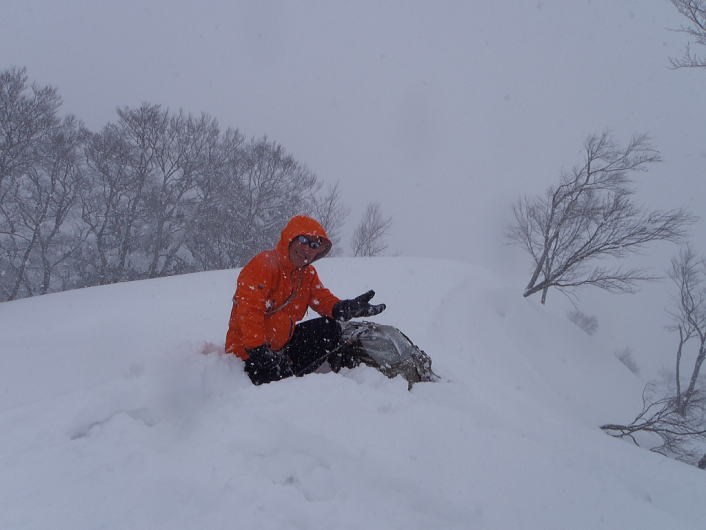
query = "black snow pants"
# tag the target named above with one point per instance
(311, 346)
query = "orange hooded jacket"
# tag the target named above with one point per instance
(272, 295)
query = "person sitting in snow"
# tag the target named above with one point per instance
(274, 291)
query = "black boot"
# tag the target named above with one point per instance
(343, 357)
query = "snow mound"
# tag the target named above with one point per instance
(117, 410)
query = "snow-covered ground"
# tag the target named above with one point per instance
(113, 416)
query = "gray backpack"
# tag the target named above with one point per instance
(387, 349)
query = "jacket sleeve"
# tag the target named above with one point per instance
(250, 297)
(321, 300)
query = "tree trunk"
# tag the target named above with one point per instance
(538, 268)
(22, 267)
(695, 374)
(680, 409)
(543, 286)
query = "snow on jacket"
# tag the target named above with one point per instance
(272, 295)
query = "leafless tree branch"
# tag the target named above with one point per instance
(695, 13)
(369, 236)
(590, 215)
(679, 420)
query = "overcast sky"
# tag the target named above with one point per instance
(443, 111)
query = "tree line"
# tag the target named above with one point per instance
(151, 194)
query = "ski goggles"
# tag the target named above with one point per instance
(306, 241)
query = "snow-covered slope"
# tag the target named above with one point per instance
(112, 416)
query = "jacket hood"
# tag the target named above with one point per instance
(302, 225)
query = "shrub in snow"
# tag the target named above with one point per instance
(587, 323)
(625, 357)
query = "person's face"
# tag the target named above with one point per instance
(304, 249)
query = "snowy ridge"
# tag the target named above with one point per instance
(112, 418)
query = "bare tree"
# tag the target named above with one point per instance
(679, 418)
(271, 188)
(170, 193)
(47, 207)
(689, 320)
(591, 215)
(331, 213)
(681, 436)
(212, 238)
(112, 208)
(27, 114)
(369, 236)
(36, 182)
(695, 13)
(142, 201)
(178, 146)
(153, 193)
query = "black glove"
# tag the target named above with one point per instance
(357, 307)
(264, 365)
